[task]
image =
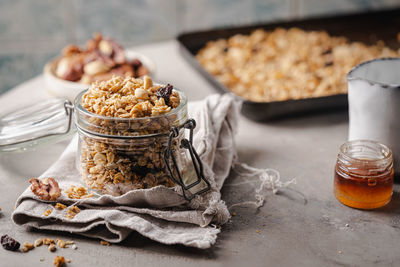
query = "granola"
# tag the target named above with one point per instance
(130, 107)
(77, 192)
(59, 261)
(72, 211)
(286, 63)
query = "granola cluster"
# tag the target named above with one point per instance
(286, 63)
(129, 107)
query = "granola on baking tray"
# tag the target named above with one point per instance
(286, 63)
(128, 107)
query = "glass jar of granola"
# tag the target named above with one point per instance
(130, 134)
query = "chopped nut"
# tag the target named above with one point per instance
(27, 246)
(38, 242)
(105, 47)
(68, 261)
(105, 243)
(48, 241)
(61, 243)
(74, 247)
(47, 212)
(46, 189)
(69, 242)
(60, 206)
(59, 261)
(52, 248)
(95, 67)
(72, 211)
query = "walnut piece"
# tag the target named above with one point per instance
(46, 189)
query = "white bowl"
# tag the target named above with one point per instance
(67, 89)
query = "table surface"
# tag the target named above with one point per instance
(303, 225)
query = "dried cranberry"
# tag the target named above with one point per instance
(165, 92)
(9, 243)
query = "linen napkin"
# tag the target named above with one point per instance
(159, 213)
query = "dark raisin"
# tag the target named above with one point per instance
(165, 92)
(9, 243)
(226, 49)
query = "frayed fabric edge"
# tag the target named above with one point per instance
(269, 178)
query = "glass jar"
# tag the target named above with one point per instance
(364, 174)
(116, 155)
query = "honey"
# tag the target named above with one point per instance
(364, 174)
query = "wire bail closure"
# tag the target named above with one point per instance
(190, 124)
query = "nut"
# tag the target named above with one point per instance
(52, 248)
(95, 67)
(61, 243)
(38, 242)
(60, 206)
(47, 212)
(45, 189)
(141, 94)
(105, 48)
(27, 246)
(63, 67)
(48, 241)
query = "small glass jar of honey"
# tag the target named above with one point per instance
(364, 174)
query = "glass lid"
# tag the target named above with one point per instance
(26, 127)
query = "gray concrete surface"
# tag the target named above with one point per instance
(302, 225)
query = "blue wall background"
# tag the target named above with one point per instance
(33, 31)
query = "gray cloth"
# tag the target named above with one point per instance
(158, 213)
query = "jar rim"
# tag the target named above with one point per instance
(78, 107)
(386, 152)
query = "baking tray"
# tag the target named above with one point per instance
(365, 27)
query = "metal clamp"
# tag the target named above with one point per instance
(197, 164)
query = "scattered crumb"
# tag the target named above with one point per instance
(47, 212)
(74, 247)
(340, 252)
(60, 206)
(41, 259)
(52, 248)
(68, 261)
(257, 231)
(59, 261)
(72, 211)
(38, 242)
(347, 225)
(233, 213)
(48, 241)
(105, 243)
